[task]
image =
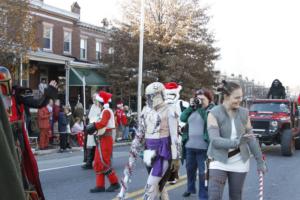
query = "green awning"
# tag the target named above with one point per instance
(92, 77)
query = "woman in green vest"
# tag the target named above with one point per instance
(195, 140)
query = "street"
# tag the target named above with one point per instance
(63, 179)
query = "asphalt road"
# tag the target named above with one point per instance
(63, 179)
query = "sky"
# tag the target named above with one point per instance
(258, 39)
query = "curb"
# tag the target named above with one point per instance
(51, 151)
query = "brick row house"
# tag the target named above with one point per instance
(68, 49)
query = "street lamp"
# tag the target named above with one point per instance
(141, 49)
(21, 70)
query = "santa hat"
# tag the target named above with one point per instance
(104, 97)
(173, 86)
(119, 104)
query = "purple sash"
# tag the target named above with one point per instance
(162, 147)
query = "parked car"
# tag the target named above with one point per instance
(276, 122)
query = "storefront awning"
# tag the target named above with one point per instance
(92, 77)
(48, 57)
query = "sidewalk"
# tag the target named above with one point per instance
(56, 148)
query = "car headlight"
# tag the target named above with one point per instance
(274, 123)
(284, 118)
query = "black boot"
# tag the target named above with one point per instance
(89, 159)
(186, 194)
(113, 187)
(97, 189)
(87, 166)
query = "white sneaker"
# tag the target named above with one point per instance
(173, 182)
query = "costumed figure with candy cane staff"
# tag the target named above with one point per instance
(157, 139)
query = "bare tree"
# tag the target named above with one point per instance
(16, 32)
(177, 44)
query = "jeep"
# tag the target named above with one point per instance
(275, 121)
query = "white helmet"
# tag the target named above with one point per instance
(155, 87)
(154, 94)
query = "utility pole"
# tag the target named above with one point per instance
(67, 67)
(141, 49)
(21, 70)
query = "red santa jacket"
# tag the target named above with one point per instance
(44, 117)
(121, 117)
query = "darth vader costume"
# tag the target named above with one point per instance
(277, 91)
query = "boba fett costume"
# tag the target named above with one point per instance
(10, 172)
(17, 101)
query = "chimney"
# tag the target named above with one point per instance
(75, 8)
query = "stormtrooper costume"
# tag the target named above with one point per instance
(172, 95)
(157, 136)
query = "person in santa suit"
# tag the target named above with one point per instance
(172, 95)
(17, 101)
(121, 121)
(102, 130)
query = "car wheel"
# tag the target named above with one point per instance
(287, 143)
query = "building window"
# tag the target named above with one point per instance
(47, 36)
(67, 42)
(98, 50)
(83, 49)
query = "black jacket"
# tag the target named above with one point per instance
(276, 92)
(24, 96)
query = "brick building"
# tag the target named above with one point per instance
(68, 49)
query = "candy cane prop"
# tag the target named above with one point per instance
(136, 149)
(261, 185)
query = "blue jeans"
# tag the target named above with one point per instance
(125, 132)
(195, 160)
